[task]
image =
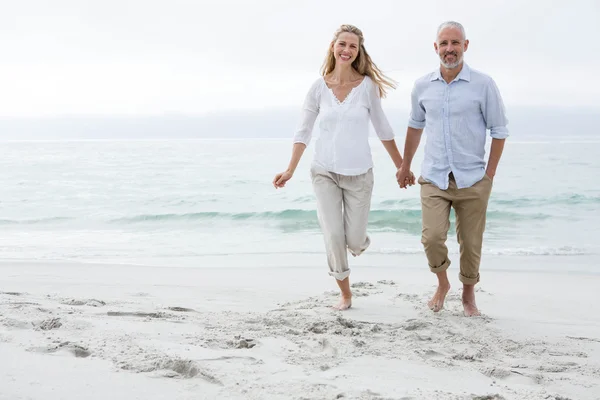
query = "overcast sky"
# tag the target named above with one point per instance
(149, 57)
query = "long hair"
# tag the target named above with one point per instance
(362, 64)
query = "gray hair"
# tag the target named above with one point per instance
(451, 24)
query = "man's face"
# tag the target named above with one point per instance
(450, 47)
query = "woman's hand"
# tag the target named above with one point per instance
(281, 179)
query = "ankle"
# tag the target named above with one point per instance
(468, 291)
(346, 295)
(444, 285)
(443, 281)
(468, 298)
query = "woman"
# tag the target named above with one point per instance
(346, 96)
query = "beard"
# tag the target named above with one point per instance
(451, 65)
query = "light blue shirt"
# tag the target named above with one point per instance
(456, 117)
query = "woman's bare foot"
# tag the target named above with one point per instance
(468, 300)
(344, 304)
(346, 299)
(436, 304)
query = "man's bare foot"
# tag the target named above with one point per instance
(344, 303)
(436, 304)
(470, 309)
(468, 300)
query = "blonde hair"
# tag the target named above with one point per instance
(362, 64)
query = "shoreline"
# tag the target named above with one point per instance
(584, 264)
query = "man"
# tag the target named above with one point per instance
(455, 105)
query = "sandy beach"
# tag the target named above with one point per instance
(96, 331)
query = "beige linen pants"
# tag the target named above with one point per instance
(343, 204)
(470, 207)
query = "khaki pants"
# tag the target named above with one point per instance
(343, 204)
(470, 207)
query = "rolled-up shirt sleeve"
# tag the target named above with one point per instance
(416, 118)
(310, 112)
(494, 112)
(382, 126)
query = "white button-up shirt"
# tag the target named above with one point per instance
(456, 117)
(343, 144)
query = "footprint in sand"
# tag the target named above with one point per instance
(415, 324)
(155, 315)
(241, 343)
(497, 372)
(89, 303)
(317, 327)
(409, 297)
(169, 367)
(346, 323)
(180, 309)
(22, 304)
(362, 285)
(327, 348)
(49, 324)
(75, 349)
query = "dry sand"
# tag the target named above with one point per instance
(92, 331)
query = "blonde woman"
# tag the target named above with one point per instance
(346, 97)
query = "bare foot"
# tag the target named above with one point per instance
(470, 309)
(346, 298)
(436, 304)
(468, 300)
(344, 304)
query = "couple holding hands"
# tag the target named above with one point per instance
(455, 104)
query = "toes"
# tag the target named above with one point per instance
(472, 312)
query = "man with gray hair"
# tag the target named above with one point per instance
(456, 106)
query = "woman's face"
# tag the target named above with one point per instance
(346, 48)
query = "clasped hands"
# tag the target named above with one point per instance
(405, 177)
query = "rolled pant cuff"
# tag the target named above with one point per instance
(468, 281)
(340, 276)
(440, 268)
(363, 249)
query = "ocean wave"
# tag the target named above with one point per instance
(408, 250)
(539, 251)
(377, 218)
(510, 202)
(517, 251)
(566, 199)
(35, 221)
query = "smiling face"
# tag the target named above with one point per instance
(346, 48)
(450, 47)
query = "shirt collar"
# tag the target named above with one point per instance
(464, 74)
